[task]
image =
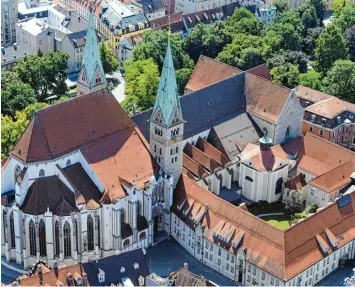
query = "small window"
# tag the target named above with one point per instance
(126, 243)
(310, 128)
(248, 178)
(324, 121)
(68, 162)
(321, 132)
(41, 173)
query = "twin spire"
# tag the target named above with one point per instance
(167, 97)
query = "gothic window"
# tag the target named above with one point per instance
(122, 216)
(139, 208)
(67, 240)
(90, 233)
(68, 162)
(3, 224)
(160, 151)
(142, 236)
(12, 230)
(288, 131)
(32, 235)
(56, 238)
(98, 232)
(278, 188)
(42, 239)
(177, 149)
(76, 233)
(17, 172)
(126, 243)
(177, 131)
(41, 173)
(155, 148)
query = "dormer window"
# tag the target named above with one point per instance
(324, 121)
(313, 118)
(41, 173)
(101, 276)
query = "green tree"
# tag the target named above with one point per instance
(340, 80)
(30, 109)
(296, 58)
(46, 74)
(232, 52)
(142, 81)
(350, 41)
(311, 79)
(281, 6)
(318, 5)
(346, 17)
(243, 21)
(207, 40)
(330, 46)
(16, 97)
(7, 78)
(285, 75)
(154, 44)
(338, 5)
(309, 19)
(109, 62)
(249, 58)
(11, 130)
(182, 77)
(281, 37)
(289, 17)
(309, 40)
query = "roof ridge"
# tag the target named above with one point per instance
(44, 134)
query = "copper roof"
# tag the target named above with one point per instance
(282, 253)
(264, 98)
(46, 192)
(328, 108)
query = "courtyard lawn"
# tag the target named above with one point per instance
(280, 221)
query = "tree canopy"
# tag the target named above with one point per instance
(109, 62)
(311, 79)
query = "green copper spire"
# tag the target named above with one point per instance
(167, 97)
(91, 60)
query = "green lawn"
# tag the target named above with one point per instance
(280, 221)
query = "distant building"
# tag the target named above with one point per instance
(153, 9)
(11, 54)
(127, 45)
(8, 20)
(192, 6)
(266, 13)
(36, 34)
(174, 22)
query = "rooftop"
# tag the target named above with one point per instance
(33, 26)
(15, 52)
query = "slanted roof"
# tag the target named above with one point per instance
(163, 22)
(91, 60)
(184, 277)
(261, 71)
(329, 108)
(65, 127)
(308, 94)
(167, 98)
(64, 208)
(47, 192)
(81, 181)
(207, 107)
(112, 267)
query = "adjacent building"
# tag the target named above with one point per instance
(8, 20)
(328, 117)
(13, 53)
(266, 13)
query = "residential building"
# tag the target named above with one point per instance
(36, 34)
(328, 117)
(11, 54)
(153, 9)
(74, 45)
(116, 22)
(127, 45)
(38, 12)
(8, 20)
(170, 6)
(82, 8)
(125, 269)
(266, 13)
(187, 6)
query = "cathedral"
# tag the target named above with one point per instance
(86, 181)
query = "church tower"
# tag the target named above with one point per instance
(91, 77)
(166, 122)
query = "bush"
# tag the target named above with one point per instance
(312, 208)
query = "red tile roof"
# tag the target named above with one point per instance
(282, 253)
(328, 108)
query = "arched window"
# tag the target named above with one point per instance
(123, 216)
(12, 230)
(288, 131)
(56, 238)
(67, 240)
(41, 173)
(142, 236)
(3, 224)
(32, 235)
(90, 233)
(42, 239)
(98, 232)
(68, 162)
(126, 243)
(279, 183)
(17, 172)
(139, 208)
(76, 234)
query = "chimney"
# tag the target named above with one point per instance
(206, 208)
(85, 279)
(186, 266)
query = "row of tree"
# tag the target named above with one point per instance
(296, 47)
